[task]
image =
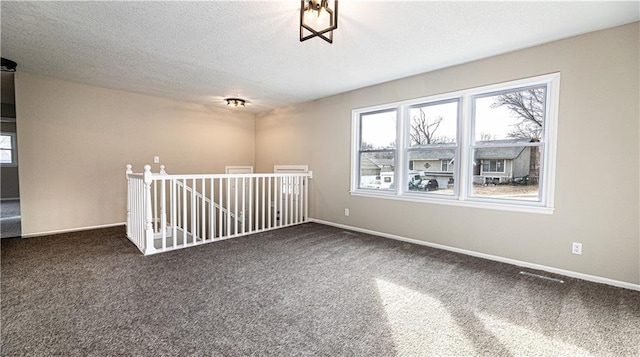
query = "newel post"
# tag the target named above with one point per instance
(127, 173)
(148, 223)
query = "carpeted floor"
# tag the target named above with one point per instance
(10, 221)
(300, 291)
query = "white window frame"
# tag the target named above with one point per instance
(14, 152)
(463, 172)
(357, 150)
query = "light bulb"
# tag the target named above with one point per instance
(308, 14)
(322, 14)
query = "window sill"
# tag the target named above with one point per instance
(452, 201)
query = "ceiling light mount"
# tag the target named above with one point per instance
(235, 102)
(318, 18)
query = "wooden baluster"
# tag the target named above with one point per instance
(235, 206)
(163, 213)
(286, 190)
(256, 217)
(163, 208)
(184, 212)
(244, 199)
(194, 211)
(212, 226)
(276, 201)
(296, 197)
(203, 224)
(306, 197)
(228, 209)
(129, 194)
(269, 189)
(154, 206)
(174, 212)
(220, 218)
(262, 201)
(148, 226)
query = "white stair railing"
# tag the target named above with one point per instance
(167, 212)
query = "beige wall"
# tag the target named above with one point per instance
(75, 140)
(598, 122)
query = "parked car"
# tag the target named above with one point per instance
(429, 185)
(373, 184)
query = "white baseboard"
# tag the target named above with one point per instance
(569, 273)
(79, 229)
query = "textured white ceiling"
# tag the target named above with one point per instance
(204, 51)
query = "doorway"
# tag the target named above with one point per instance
(10, 215)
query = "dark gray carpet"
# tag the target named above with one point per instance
(10, 227)
(305, 290)
(10, 222)
(9, 208)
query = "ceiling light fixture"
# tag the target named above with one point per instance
(318, 18)
(235, 102)
(8, 65)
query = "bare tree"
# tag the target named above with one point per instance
(423, 130)
(487, 136)
(528, 105)
(367, 146)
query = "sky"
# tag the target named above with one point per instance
(379, 128)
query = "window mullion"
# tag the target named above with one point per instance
(401, 150)
(464, 138)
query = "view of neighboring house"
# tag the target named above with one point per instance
(376, 172)
(506, 164)
(492, 164)
(434, 161)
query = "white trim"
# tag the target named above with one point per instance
(234, 170)
(465, 145)
(10, 199)
(286, 169)
(569, 273)
(71, 230)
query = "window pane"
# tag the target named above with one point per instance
(5, 142)
(433, 124)
(510, 115)
(515, 176)
(5, 157)
(377, 170)
(433, 169)
(378, 131)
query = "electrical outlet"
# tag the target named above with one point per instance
(346, 212)
(576, 248)
(156, 159)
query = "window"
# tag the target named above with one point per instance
(490, 147)
(492, 165)
(7, 149)
(432, 129)
(377, 149)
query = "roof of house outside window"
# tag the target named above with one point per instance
(448, 151)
